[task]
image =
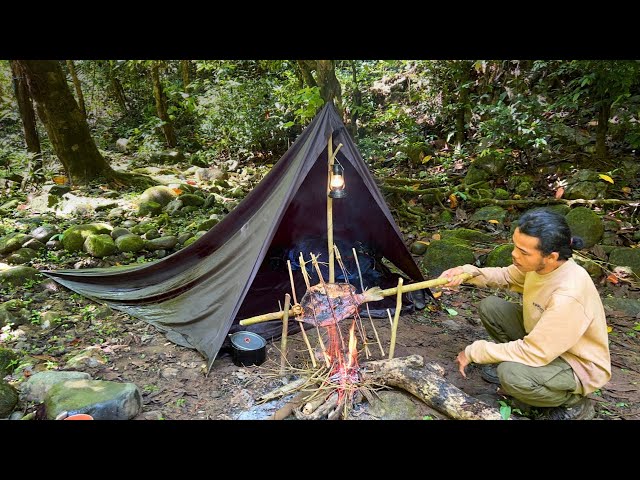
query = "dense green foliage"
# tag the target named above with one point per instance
(399, 111)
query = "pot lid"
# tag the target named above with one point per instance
(247, 341)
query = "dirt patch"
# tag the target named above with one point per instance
(175, 386)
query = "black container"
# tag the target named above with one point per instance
(248, 348)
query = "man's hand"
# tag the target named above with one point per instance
(450, 274)
(462, 362)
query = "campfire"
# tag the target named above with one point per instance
(331, 387)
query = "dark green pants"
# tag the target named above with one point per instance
(548, 386)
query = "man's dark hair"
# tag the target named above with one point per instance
(552, 231)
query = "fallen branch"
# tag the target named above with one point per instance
(410, 374)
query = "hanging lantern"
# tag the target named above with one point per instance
(336, 185)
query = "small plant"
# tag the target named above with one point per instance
(505, 410)
(180, 402)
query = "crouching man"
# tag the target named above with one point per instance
(551, 351)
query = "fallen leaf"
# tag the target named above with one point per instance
(612, 278)
(436, 236)
(559, 192)
(178, 191)
(437, 294)
(606, 178)
(493, 221)
(191, 182)
(626, 190)
(451, 312)
(453, 200)
(59, 179)
(609, 329)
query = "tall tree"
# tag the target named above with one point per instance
(116, 87)
(325, 78)
(185, 67)
(27, 114)
(161, 105)
(78, 87)
(66, 126)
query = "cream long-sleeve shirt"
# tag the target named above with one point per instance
(563, 317)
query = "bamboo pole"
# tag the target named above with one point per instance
(332, 276)
(304, 333)
(396, 317)
(385, 293)
(285, 331)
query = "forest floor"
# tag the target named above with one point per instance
(175, 384)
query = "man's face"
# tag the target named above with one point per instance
(527, 257)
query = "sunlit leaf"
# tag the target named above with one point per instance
(606, 178)
(493, 221)
(451, 312)
(626, 190)
(426, 159)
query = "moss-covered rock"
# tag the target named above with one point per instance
(501, 194)
(627, 257)
(99, 246)
(162, 243)
(444, 254)
(208, 224)
(585, 223)
(73, 237)
(18, 275)
(129, 243)
(151, 209)
(466, 234)
(500, 256)
(8, 398)
(418, 247)
(159, 194)
(491, 212)
(189, 199)
(13, 242)
(21, 256)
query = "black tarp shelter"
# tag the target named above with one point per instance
(198, 294)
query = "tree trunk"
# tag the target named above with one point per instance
(78, 87)
(327, 81)
(603, 126)
(116, 88)
(357, 100)
(67, 128)
(27, 114)
(306, 67)
(409, 374)
(184, 68)
(463, 102)
(161, 106)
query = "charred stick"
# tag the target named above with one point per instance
(355, 256)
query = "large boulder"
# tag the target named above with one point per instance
(586, 224)
(444, 254)
(73, 237)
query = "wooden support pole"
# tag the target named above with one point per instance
(355, 257)
(304, 333)
(396, 317)
(285, 331)
(332, 276)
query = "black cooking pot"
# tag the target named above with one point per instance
(248, 348)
